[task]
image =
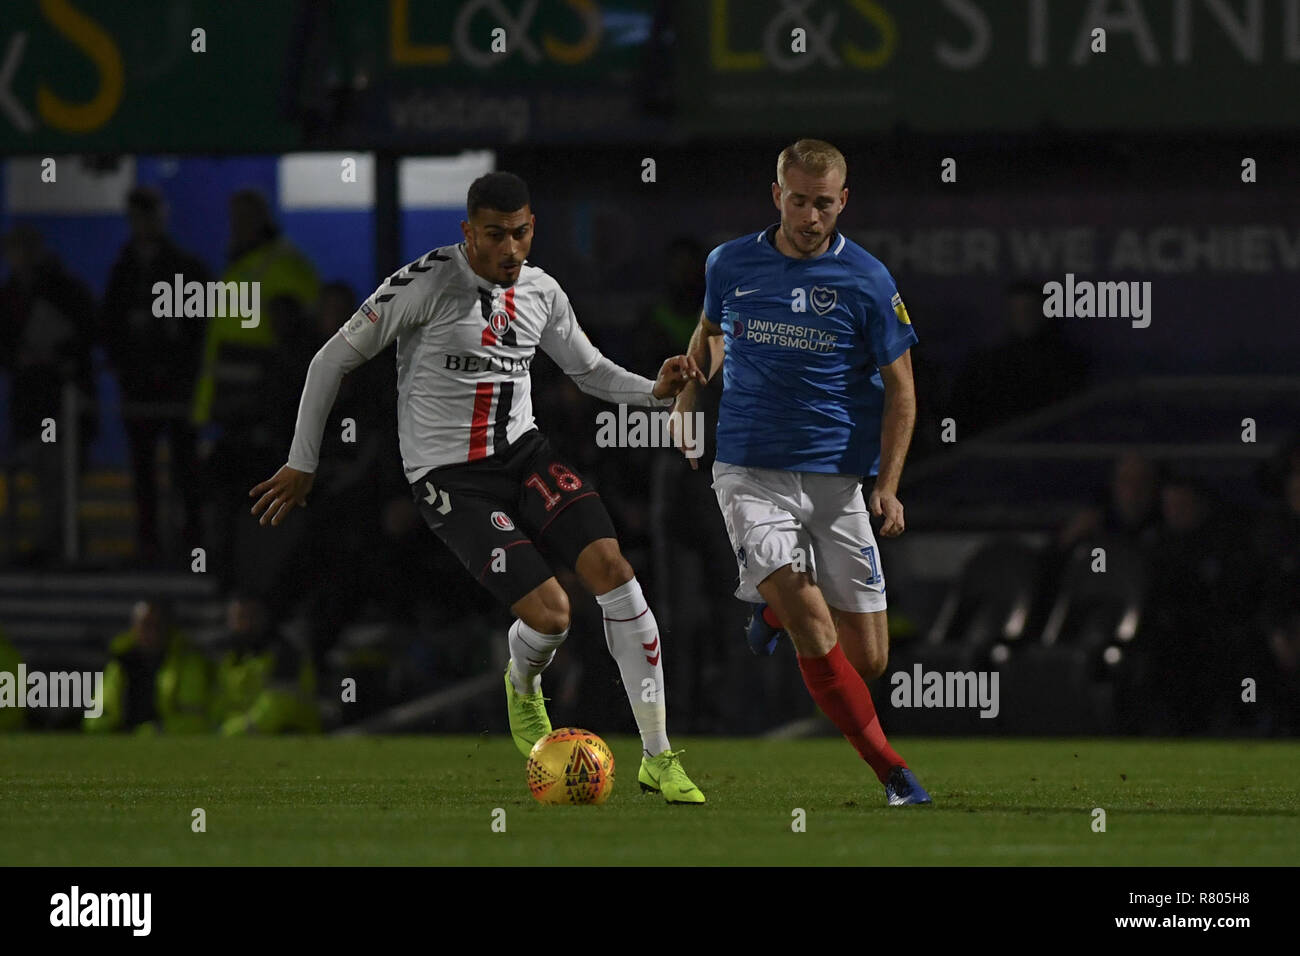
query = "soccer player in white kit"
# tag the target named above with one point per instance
(468, 319)
(817, 394)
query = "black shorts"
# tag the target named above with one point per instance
(495, 512)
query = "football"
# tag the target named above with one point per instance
(571, 766)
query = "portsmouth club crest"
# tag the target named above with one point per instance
(499, 321)
(823, 299)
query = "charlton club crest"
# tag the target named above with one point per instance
(500, 322)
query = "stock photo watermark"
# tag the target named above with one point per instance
(78, 909)
(76, 690)
(946, 689)
(637, 428)
(1085, 299)
(208, 300)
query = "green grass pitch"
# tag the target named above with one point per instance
(75, 801)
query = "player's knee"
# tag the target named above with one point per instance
(549, 621)
(603, 568)
(547, 612)
(802, 610)
(866, 645)
(810, 628)
(873, 664)
(556, 613)
(616, 572)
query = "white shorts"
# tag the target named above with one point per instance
(815, 522)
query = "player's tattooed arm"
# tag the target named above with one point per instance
(895, 436)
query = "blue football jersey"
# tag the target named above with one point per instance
(804, 341)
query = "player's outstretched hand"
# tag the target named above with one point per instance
(675, 374)
(888, 506)
(288, 487)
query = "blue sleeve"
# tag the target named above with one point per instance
(713, 287)
(888, 326)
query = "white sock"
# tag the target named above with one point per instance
(633, 639)
(531, 652)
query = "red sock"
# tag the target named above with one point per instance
(843, 697)
(770, 617)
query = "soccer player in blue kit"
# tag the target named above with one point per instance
(817, 394)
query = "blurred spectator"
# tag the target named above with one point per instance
(157, 360)
(929, 380)
(1276, 551)
(11, 718)
(1279, 690)
(265, 684)
(247, 388)
(1033, 364)
(1272, 474)
(1192, 639)
(666, 326)
(1128, 508)
(46, 337)
(686, 533)
(1277, 545)
(358, 481)
(156, 679)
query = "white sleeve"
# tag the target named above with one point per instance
(565, 342)
(388, 312)
(334, 360)
(385, 314)
(615, 384)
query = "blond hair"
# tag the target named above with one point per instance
(814, 156)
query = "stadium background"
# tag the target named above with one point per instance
(1070, 434)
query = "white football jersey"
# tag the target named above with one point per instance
(464, 347)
